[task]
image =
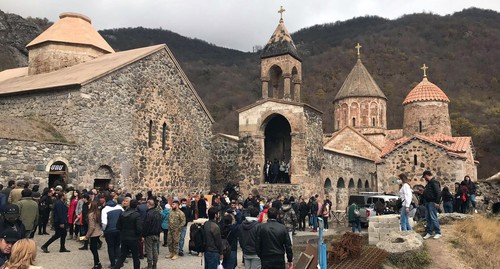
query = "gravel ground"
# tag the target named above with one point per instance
(83, 258)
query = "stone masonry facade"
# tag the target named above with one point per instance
(224, 165)
(109, 120)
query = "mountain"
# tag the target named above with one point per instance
(462, 51)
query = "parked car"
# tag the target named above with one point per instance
(367, 201)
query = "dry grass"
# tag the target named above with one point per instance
(478, 240)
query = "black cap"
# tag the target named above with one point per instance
(427, 173)
(9, 235)
(11, 210)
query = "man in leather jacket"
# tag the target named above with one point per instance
(272, 242)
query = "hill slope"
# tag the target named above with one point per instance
(462, 51)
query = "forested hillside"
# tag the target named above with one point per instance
(462, 51)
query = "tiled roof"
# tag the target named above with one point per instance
(454, 146)
(359, 83)
(426, 91)
(280, 43)
(73, 28)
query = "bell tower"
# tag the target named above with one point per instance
(281, 66)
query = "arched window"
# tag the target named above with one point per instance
(150, 135)
(351, 183)
(360, 184)
(415, 162)
(164, 136)
(340, 183)
(420, 126)
(353, 122)
(328, 185)
(367, 185)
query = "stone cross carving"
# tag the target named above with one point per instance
(424, 67)
(281, 12)
(358, 46)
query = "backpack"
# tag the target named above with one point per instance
(197, 240)
(226, 247)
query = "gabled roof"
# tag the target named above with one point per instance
(349, 144)
(280, 43)
(87, 72)
(72, 28)
(348, 154)
(426, 91)
(453, 146)
(334, 135)
(359, 83)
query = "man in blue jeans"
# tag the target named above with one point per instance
(189, 217)
(432, 198)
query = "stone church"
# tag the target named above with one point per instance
(361, 154)
(83, 114)
(86, 115)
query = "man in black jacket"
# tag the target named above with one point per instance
(248, 237)
(213, 240)
(60, 222)
(11, 221)
(432, 198)
(151, 233)
(130, 226)
(272, 242)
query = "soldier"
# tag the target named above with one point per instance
(176, 221)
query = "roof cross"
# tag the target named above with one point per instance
(281, 12)
(424, 67)
(358, 46)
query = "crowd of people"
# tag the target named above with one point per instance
(425, 203)
(138, 225)
(277, 171)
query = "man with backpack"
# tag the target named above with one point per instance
(432, 197)
(212, 240)
(151, 233)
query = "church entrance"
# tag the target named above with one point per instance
(278, 149)
(104, 176)
(58, 174)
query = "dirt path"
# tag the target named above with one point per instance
(443, 254)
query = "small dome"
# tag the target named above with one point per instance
(426, 91)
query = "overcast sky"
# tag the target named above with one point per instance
(238, 24)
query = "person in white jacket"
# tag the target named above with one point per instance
(405, 193)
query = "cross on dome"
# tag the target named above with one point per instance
(281, 12)
(424, 67)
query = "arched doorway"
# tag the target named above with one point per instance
(278, 148)
(58, 174)
(104, 177)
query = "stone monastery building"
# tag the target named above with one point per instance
(83, 114)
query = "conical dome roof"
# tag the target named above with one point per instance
(359, 83)
(280, 43)
(73, 28)
(426, 91)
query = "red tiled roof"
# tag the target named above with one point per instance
(454, 146)
(426, 91)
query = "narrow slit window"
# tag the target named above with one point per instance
(353, 122)
(415, 161)
(150, 135)
(373, 122)
(164, 136)
(420, 126)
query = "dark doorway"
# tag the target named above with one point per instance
(101, 184)
(278, 145)
(57, 174)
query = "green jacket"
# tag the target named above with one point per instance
(28, 212)
(350, 213)
(176, 220)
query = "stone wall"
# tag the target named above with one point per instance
(365, 110)
(379, 227)
(434, 118)
(445, 168)
(30, 160)
(340, 167)
(224, 166)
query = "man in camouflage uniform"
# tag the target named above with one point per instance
(176, 221)
(288, 218)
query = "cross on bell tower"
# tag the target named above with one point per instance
(281, 11)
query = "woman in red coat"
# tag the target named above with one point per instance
(71, 214)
